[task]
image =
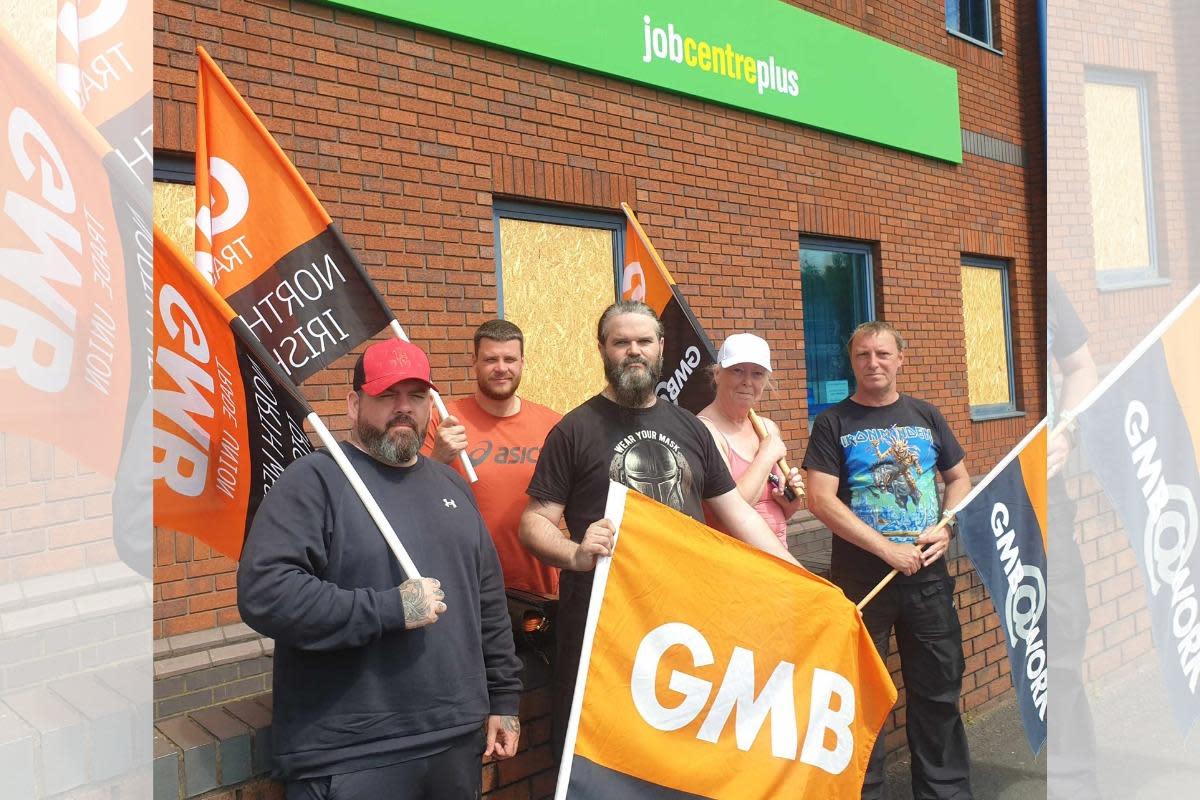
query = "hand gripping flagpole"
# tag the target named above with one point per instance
(946, 520)
(948, 516)
(789, 493)
(441, 407)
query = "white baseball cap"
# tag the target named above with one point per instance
(745, 348)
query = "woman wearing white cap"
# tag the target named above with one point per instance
(740, 375)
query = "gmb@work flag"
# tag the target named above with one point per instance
(1141, 438)
(712, 669)
(224, 427)
(1003, 529)
(264, 240)
(75, 252)
(688, 352)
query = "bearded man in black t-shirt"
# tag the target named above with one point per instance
(871, 462)
(629, 435)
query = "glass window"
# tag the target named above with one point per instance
(971, 18)
(1119, 175)
(988, 337)
(838, 291)
(556, 271)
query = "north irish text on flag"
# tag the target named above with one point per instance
(225, 426)
(1003, 529)
(267, 244)
(688, 689)
(1141, 437)
(687, 352)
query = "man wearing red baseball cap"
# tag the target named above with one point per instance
(383, 686)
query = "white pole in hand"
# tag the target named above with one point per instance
(385, 527)
(468, 467)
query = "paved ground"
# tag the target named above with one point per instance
(1002, 766)
(1143, 752)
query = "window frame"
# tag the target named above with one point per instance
(836, 245)
(1011, 408)
(988, 43)
(556, 215)
(174, 168)
(1151, 274)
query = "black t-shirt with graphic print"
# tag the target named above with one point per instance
(886, 459)
(662, 451)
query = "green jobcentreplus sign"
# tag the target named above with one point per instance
(763, 56)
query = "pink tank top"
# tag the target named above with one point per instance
(766, 506)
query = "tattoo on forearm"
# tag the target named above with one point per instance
(416, 605)
(510, 724)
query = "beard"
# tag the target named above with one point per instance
(494, 394)
(394, 447)
(632, 388)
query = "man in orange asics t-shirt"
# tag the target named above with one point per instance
(503, 435)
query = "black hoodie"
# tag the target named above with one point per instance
(353, 689)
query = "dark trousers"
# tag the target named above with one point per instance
(929, 638)
(453, 774)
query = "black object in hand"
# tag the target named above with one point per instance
(789, 493)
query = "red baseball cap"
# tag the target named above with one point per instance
(384, 364)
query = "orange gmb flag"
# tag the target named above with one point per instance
(264, 240)
(75, 264)
(224, 426)
(711, 669)
(687, 351)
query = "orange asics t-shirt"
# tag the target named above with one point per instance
(504, 451)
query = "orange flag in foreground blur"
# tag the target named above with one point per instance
(712, 669)
(74, 271)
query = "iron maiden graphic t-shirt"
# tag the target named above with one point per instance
(886, 459)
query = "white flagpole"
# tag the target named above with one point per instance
(441, 407)
(385, 527)
(614, 511)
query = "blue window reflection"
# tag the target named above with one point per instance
(971, 18)
(835, 278)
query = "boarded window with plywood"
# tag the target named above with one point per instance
(986, 323)
(175, 200)
(1120, 178)
(556, 271)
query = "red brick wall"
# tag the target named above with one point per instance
(55, 514)
(407, 137)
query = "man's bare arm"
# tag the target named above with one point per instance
(540, 535)
(823, 502)
(742, 522)
(958, 485)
